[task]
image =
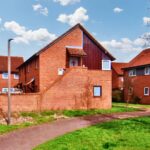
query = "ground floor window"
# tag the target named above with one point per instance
(4, 75)
(97, 91)
(5, 90)
(146, 91)
(16, 76)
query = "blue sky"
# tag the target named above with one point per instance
(117, 24)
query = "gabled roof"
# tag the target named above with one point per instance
(63, 35)
(15, 62)
(141, 59)
(117, 66)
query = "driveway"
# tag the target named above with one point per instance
(28, 138)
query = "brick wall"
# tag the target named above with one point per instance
(137, 83)
(4, 84)
(73, 90)
(21, 102)
(29, 71)
(117, 81)
(55, 57)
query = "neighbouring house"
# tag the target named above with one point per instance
(117, 75)
(15, 62)
(72, 72)
(137, 78)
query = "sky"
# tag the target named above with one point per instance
(119, 25)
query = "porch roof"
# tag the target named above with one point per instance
(76, 52)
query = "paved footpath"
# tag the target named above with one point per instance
(26, 139)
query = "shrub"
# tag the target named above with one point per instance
(117, 96)
(136, 100)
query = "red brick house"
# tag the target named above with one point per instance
(137, 78)
(72, 69)
(15, 61)
(117, 75)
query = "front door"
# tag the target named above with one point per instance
(73, 61)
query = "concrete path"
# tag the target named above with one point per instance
(26, 139)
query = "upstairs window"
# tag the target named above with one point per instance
(16, 76)
(146, 91)
(132, 72)
(4, 75)
(97, 91)
(147, 71)
(106, 65)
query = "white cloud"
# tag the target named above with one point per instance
(39, 8)
(117, 10)
(125, 44)
(0, 20)
(79, 16)
(66, 2)
(26, 36)
(125, 49)
(146, 20)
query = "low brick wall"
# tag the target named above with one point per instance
(73, 90)
(20, 102)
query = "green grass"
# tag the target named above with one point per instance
(129, 134)
(47, 116)
(131, 105)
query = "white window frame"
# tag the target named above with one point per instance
(131, 73)
(146, 94)
(103, 61)
(3, 76)
(16, 76)
(4, 90)
(145, 71)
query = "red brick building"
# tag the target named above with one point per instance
(137, 78)
(15, 62)
(117, 75)
(72, 70)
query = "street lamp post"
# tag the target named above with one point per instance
(9, 83)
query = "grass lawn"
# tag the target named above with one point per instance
(48, 116)
(131, 105)
(128, 134)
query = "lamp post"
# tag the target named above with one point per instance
(9, 83)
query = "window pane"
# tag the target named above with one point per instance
(5, 75)
(97, 91)
(106, 65)
(146, 91)
(16, 76)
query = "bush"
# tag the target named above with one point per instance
(136, 100)
(117, 96)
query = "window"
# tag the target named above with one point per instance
(16, 76)
(146, 91)
(106, 65)
(130, 91)
(5, 90)
(97, 91)
(147, 71)
(132, 72)
(5, 75)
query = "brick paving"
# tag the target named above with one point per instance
(26, 139)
